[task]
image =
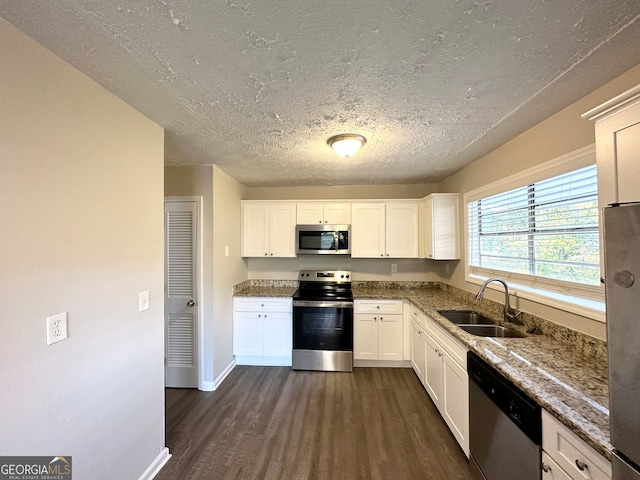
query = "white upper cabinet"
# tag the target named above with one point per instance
(309, 213)
(384, 230)
(439, 227)
(618, 147)
(268, 230)
(368, 230)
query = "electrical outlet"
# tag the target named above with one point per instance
(57, 328)
(394, 268)
(143, 301)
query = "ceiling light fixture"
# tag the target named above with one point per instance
(346, 144)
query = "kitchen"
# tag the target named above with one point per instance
(83, 395)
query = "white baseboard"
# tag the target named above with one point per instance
(264, 361)
(207, 387)
(223, 375)
(156, 465)
(382, 363)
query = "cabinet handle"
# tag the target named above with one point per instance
(378, 307)
(266, 254)
(271, 254)
(319, 221)
(265, 315)
(259, 315)
(546, 468)
(581, 465)
(381, 319)
(382, 254)
(375, 319)
(387, 254)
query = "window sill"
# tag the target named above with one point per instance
(585, 307)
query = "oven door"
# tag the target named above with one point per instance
(322, 325)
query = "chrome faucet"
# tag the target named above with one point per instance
(510, 315)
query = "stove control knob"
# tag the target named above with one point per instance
(347, 276)
(342, 276)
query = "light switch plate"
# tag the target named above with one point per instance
(57, 328)
(143, 301)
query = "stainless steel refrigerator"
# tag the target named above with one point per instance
(622, 266)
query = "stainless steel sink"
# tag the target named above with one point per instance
(466, 317)
(491, 331)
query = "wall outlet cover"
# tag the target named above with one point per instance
(57, 328)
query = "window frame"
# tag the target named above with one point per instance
(586, 300)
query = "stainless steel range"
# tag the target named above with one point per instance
(323, 321)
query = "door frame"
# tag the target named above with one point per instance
(199, 278)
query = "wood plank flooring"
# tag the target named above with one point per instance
(276, 423)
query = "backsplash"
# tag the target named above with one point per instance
(584, 344)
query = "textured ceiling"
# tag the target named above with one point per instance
(257, 86)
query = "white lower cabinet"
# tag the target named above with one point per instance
(572, 457)
(378, 330)
(418, 351)
(439, 361)
(262, 331)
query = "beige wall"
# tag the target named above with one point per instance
(82, 232)
(341, 192)
(197, 181)
(561, 133)
(221, 197)
(227, 270)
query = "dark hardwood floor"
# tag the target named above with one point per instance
(276, 423)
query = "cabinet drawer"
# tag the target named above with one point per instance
(262, 304)
(389, 307)
(571, 453)
(551, 470)
(418, 317)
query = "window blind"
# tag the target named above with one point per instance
(543, 230)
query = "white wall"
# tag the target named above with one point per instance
(561, 133)
(82, 232)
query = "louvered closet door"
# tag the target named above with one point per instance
(181, 302)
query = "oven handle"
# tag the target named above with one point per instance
(310, 303)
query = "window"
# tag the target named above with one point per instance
(542, 234)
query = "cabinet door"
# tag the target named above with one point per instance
(428, 227)
(618, 147)
(367, 230)
(434, 372)
(456, 401)
(337, 213)
(282, 224)
(390, 337)
(248, 334)
(401, 229)
(444, 224)
(365, 336)
(278, 332)
(309, 213)
(418, 351)
(255, 230)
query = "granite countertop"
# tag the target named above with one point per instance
(568, 382)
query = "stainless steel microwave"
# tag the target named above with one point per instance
(323, 239)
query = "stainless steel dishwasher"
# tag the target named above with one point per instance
(505, 427)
